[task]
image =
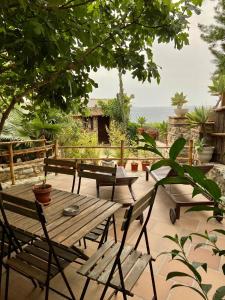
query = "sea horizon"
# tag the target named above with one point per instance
(153, 113)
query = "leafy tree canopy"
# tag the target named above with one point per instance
(49, 47)
(214, 36)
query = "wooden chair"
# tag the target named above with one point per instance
(118, 265)
(61, 166)
(98, 173)
(43, 259)
(21, 237)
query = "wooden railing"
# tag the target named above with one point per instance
(9, 153)
(43, 147)
(122, 148)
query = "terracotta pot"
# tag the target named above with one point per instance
(140, 130)
(144, 165)
(134, 167)
(42, 193)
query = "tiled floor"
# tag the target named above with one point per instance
(159, 226)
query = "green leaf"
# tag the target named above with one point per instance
(200, 208)
(190, 266)
(213, 188)
(213, 238)
(206, 287)
(195, 173)
(183, 240)
(177, 274)
(196, 265)
(174, 253)
(174, 239)
(219, 294)
(196, 191)
(170, 163)
(173, 180)
(176, 148)
(199, 245)
(189, 287)
(148, 139)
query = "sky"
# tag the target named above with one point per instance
(187, 70)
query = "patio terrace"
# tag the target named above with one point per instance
(159, 225)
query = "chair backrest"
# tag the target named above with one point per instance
(135, 211)
(30, 209)
(99, 173)
(61, 166)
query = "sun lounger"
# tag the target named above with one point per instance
(180, 194)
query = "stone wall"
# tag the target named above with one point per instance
(178, 127)
(29, 169)
(217, 173)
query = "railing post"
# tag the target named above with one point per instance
(122, 152)
(43, 144)
(190, 152)
(11, 165)
(56, 149)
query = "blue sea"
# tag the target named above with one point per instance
(152, 114)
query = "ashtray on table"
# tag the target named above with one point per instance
(71, 210)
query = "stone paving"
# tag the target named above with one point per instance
(159, 225)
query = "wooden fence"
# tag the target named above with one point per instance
(43, 147)
(10, 153)
(122, 148)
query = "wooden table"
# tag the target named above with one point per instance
(65, 230)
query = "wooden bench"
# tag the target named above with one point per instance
(176, 193)
(122, 179)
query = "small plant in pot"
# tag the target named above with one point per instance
(178, 100)
(134, 166)
(204, 152)
(42, 192)
(134, 163)
(141, 122)
(108, 162)
(145, 162)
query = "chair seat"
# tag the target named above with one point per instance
(98, 231)
(33, 260)
(98, 267)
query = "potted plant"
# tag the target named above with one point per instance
(178, 100)
(141, 122)
(134, 152)
(145, 162)
(218, 89)
(199, 118)
(204, 152)
(108, 162)
(42, 192)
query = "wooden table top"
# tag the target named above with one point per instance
(65, 230)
